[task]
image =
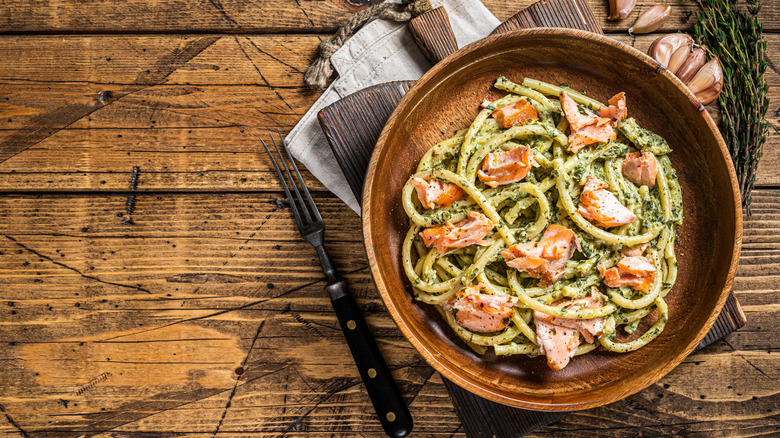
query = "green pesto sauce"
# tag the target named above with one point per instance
(644, 139)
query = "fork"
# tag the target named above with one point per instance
(388, 403)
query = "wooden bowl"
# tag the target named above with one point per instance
(447, 98)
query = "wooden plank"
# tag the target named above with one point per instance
(235, 16)
(98, 98)
(201, 272)
(272, 60)
(182, 159)
(207, 112)
(432, 32)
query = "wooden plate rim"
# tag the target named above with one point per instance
(430, 356)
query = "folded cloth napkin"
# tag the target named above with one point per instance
(382, 51)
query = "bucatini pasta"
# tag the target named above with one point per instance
(546, 226)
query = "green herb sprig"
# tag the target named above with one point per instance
(735, 37)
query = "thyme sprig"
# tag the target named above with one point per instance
(735, 37)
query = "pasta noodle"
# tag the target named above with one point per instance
(531, 240)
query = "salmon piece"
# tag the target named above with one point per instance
(641, 168)
(616, 111)
(545, 259)
(556, 342)
(515, 114)
(586, 127)
(587, 327)
(558, 338)
(449, 236)
(507, 167)
(527, 263)
(481, 312)
(636, 272)
(634, 251)
(600, 206)
(433, 193)
(589, 135)
(579, 116)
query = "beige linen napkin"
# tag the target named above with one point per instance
(382, 51)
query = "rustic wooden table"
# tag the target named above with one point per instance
(195, 309)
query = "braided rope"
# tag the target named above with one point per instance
(321, 70)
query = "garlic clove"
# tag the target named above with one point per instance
(619, 9)
(692, 64)
(680, 55)
(708, 82)
(666, 46)
(651, 19)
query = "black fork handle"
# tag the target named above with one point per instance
(382, 389)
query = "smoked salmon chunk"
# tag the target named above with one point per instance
(481, 312)
(515, 114)
(634, 251)
(558, 338)
(556, 342)
(616, 111)
(449, 236)
(545, 259)
(579, 116)
(601, 207)
(640, 168)
(636, 272)
(586, 127)
(507, 167)
(433, 193)
(589, 135)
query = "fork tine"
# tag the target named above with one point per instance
(284, 186)
(292, 181)
(312, 205)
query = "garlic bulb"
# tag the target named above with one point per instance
(619, 9)
(668, 46)
(692, 64)
(707, 82)
(678, 54)
(651, 19)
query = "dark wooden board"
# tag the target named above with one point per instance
(352, 147)
(572, 14)
(433, 34)
(353, 124)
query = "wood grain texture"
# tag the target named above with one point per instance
(180, 331)
(290, 16)
(570, 14)
(433, 34)
(197, 129)
(74, 274)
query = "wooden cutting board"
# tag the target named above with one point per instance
(353, 137)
